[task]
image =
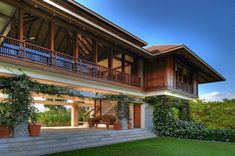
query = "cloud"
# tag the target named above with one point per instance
(217, 96)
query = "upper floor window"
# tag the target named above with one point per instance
(183, 74)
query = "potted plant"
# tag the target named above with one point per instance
(33, 127)
(5, 120)
(117, 126)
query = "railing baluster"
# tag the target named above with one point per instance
(11, 47)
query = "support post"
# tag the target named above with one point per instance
(123, 62)
(21, 33)
(52, 36)
(52, 42)
(75, 52)
(94, 51)
(110, 59)
(21, 25)
(74, 115)
(110, 63)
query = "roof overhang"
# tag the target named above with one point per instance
(206, 73)
(73, 2)
(74, 17)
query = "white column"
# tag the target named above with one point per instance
(131, 108)
(74, 115)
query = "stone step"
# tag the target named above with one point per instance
(54, 137)
(74, 146)
(43, 145)
(69, 139)
(72, 134)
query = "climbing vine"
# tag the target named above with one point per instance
(166, 124)
(19, 106)
(123, 100)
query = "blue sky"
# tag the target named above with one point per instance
(205, 26)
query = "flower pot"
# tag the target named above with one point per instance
(34, 130)
(117, 126)
(129, 125)
(4, 132)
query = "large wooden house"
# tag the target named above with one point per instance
(63, 43)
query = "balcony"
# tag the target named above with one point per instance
(184, 87)
(24, 51)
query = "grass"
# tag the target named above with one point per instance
(158, 147)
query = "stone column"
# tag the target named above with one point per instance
(20, 130)
(74, 115)
(124, 123)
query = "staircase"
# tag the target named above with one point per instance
(109, 108)
(53, 143)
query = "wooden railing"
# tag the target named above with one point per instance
(13, 48)
(184, 87)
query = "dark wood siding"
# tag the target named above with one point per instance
(161, 74)
(155, 74)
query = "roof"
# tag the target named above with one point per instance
(106, 21)
(205, 69)
(161, 48)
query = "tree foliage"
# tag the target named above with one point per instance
(215, 115)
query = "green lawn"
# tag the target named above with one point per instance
(158, 147)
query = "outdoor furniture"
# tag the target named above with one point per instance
(103, 119)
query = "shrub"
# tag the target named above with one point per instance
(53, 118)
(166, 124)
(207, 134)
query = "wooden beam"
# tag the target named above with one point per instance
(61, 42)
(44, 40)
(51, 102)
(134, 67)
(31, 20)
(29, 29)
(94, 51)
(123, 62)
(87, 40)
(52, 36)
(110, 59)
(39, 29)
(4, 16)
(81, 43)
(127, 64)
(21, 25)
(75, 49)
(57, 32)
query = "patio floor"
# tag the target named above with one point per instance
(45, 131)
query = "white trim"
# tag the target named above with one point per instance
(170, 93)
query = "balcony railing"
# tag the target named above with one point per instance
(184, 87)
(13, 48)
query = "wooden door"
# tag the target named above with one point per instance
(137, 116)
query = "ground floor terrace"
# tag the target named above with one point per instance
(78, 134)
(59, 139)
